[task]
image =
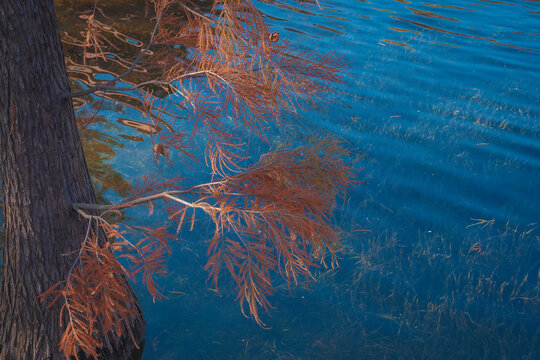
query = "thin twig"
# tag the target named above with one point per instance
(194, 12)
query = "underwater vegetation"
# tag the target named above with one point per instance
(475, 297)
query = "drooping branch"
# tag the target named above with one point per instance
(273, 217)
(223, 62)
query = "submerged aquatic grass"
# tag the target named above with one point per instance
(435, 298)
(474, 297)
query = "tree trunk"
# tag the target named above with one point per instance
(42, 172)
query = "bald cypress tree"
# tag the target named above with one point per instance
(42, 173)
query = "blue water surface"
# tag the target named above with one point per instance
(442, 103)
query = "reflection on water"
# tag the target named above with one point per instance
(443, 239)
(100, 148)
(143, 128)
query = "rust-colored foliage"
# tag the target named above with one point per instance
(191, 67)
(207, 61)
(274, 217)
(95, 300)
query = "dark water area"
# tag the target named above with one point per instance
(442, 257)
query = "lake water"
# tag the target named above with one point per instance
(443, 246)
(442, 258)
(441, 104)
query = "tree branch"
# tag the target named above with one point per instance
(165, 194)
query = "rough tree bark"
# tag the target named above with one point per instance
(42, 172)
